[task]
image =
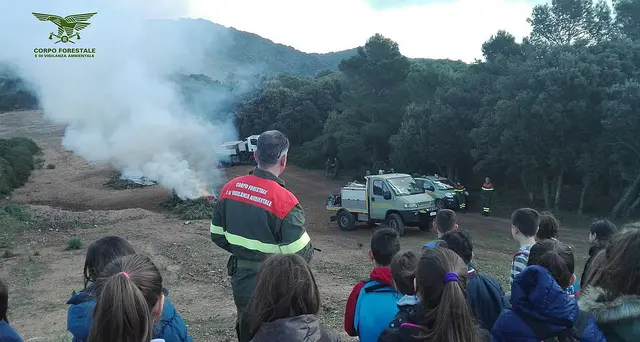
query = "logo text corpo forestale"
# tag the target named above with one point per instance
(68, 32)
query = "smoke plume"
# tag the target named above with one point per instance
(121, 106)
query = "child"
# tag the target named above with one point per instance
(600, 233)
(129, 301)
(615, 304)
(288, 304)
(445, 221)
(403, 271)
(444, 314)
(525, 222)
(540, 309)
(548, 227)
(484, 294)
(171, 326)
(372, 304)
(7, 333)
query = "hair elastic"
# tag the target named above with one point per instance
(125, 274)
(451, 276)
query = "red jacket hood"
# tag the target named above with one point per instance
(382, 275)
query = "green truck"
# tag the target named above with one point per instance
(393, 199)
(442, 189)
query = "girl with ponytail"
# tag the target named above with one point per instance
(129, 300)
(443, 314)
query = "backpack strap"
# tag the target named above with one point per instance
(520, 253)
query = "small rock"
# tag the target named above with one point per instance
(187, 222)
(95, 226)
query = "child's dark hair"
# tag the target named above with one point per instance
(441, 281)
(445, 220)
(549, 226)
(101, 253)
(286, 288)
(556, 257)
(527, 221)
(127, 294)
(4, 301)
(385, 243)
(604, 230)
(623, 263)
(403, 271)
(459, 242)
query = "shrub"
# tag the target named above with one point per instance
(74, 243)
(16, 162)
(18, 212)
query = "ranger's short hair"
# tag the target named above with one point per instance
(271, 146)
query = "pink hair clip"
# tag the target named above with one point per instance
(125, 274)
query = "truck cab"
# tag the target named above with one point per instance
(239, 152)
(393, 199)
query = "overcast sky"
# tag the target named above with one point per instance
(452, 29)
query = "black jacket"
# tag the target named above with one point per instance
(305, 328)
(584, 279)
(486, 298)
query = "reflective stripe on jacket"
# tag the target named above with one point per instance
(256, 216)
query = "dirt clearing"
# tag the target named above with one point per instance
(72, 201)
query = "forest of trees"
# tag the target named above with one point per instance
(555, 117)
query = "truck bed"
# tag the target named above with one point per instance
(353, 197)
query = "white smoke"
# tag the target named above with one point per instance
(120, 106)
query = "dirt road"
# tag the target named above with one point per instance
(72, 201)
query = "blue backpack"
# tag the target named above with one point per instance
(376, 307)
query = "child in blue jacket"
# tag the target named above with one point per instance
(7, 333)
(171, 327)
(540, 307)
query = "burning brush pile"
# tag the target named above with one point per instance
(119, 181)
(191, 209)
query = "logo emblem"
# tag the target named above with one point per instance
(68, 27)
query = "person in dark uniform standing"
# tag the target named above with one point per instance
(327, 167)
(257, 216)
(487, 194)
(462, 196)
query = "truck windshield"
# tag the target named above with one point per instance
(444, 184)
(403, 186)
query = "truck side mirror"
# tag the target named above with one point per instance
(387, 195)
(430, 188)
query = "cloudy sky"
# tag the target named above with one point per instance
(423, 28)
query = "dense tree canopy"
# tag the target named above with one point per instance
(557, 111)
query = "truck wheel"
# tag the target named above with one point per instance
(439, 204)
(346, 221)
(395, 221)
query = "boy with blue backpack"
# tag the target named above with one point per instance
(372, 304)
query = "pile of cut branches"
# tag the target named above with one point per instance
(190, 209)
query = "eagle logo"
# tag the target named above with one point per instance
(66, 25)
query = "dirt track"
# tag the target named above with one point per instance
(73, 198)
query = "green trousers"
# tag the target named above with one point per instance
(243, 281)
(486, 206)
